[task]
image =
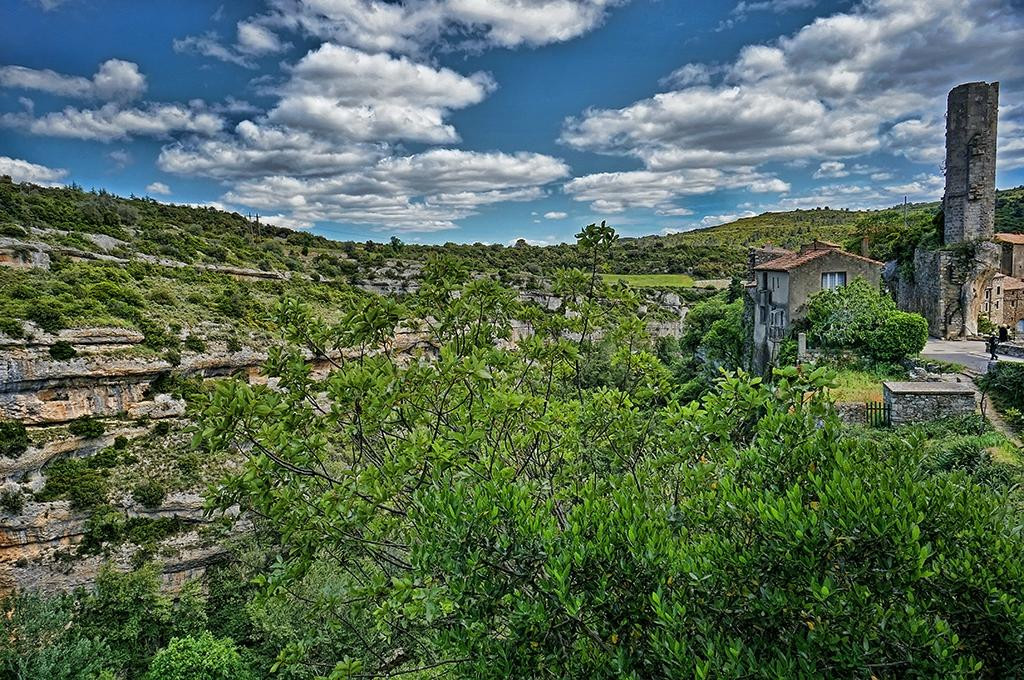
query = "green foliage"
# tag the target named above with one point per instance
(14, 439)
(62, 351)
(40, 644)
(107, 528)
(489, 513)
(194, 343)
(860, 317)
(12, 501)
(12, 328)
(129, 613)
(1010, 210)
(149, 494)
(198, 658)
(120, 442)
(75, 480)
(87, 427)
(1005, 381)
(986, 326)
(896, 335)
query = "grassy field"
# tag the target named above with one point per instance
(652, 280)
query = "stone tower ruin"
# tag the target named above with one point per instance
(947, 283)
(969, 203)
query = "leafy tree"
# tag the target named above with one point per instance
(842, 317)
(862, 318)
(482, 512)
(129, 613)
(198, 658)
(39, 642)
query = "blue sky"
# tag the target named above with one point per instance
(487, 120)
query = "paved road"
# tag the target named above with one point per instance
(970, 353)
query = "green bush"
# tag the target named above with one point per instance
(198, 658)
(1005, 381)
(62, 351)
(12, 500)
(88, 491)
(46, 314)
(12, 328)
(859, 317)
(74, 479)
(896, 335)
(128, 611)
(150, 494)
(194, 343)
(14, 439)
(120, 442)
(985, 326)
(86, 427)
(842, 317)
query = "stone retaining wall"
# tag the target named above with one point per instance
(1011, 349)
(911, 402)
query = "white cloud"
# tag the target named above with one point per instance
(209, 45)
(555, 215)
(673, 212)
(715, 220)
(378, 25)
(777, 6)
(116, 80)
(690, 74)
(871, 79)
(122, 158)
(421, 192)
(611, 192)
(158, 188)
(260, 150)
(364, 97)
(111, 122)
(22, 171)
(256, 39)
(831, 169)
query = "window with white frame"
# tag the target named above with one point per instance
(833, 280)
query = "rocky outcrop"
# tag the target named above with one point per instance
(38, 548)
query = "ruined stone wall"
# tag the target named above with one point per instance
(947, 286)
(969, 201)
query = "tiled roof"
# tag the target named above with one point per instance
(789, 262)
(1010, 283)
(1017, 239)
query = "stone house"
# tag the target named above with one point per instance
(1011, 261)
(1013, 304)
(1003, 297)
(782, 282)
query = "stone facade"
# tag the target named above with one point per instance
(915, 402)
(781, 286)
(1011, 261)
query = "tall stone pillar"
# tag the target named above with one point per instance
(969, 202)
